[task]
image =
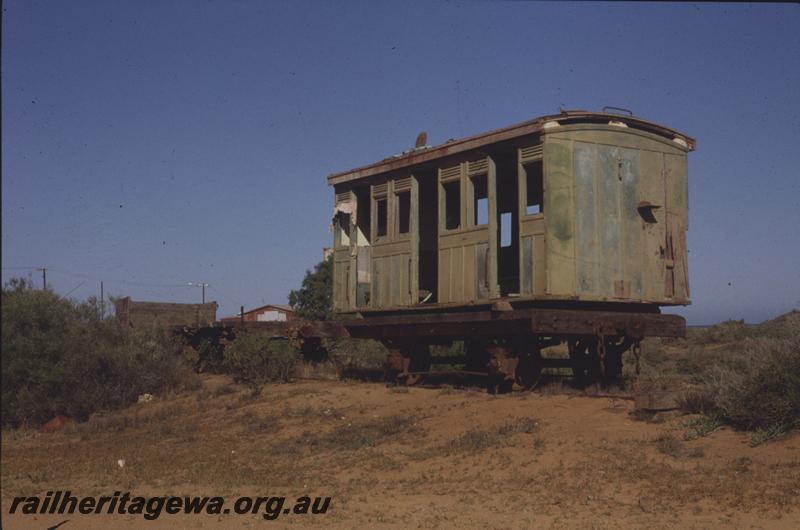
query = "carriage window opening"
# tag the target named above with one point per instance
(452, 205)
(535, 184)
(363, 231)
(505, 229)
(403, 212)
(481, 200)
(343, 229)
(382, 211)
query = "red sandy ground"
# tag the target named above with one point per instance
(458, 461)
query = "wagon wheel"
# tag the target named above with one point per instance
(393, 365)
(613, 360)
(420, 362)
(502, 367)
(529, 370)
(585, 361)
(577, 353)
(476, 355)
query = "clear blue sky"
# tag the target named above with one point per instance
(149, 144)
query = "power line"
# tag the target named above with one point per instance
(73, 290)
(124, 282)
(203, 285)
(148, 287)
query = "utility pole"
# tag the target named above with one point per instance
(203, 285)
(102, 302)
(44, 277)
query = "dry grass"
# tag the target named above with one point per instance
(426, 457)
(668, 444)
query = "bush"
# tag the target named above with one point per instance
(254, 360)
(210, 356)
(730, 330)
(62, 357)
(755, 386)
(357, 353)
(786, 326)
(761, 387)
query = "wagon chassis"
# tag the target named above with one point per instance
(502, 342)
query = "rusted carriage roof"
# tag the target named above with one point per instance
(426, 154)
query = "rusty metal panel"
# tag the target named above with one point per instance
(629, 215)
(608, 219)
(560, 216)
(631, 224)
(651, 191)
(586, 217)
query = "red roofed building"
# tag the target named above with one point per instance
(265, 313)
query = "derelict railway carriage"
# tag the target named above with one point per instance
(567, 228)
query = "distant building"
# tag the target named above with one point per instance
(153, 314)
(265, 313)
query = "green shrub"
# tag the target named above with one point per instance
(210, 356)
(62, 357)
(760, 388)
(754, 386)
(786, 326)
(254, 360)
(357, 353)
(730, 330)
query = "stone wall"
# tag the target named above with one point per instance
(150, 314)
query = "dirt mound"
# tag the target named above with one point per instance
(400, 458)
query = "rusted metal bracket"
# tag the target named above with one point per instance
(637, 353)
(602, 331)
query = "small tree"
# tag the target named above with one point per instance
(254, 360)
(313, 299)
(60, 356)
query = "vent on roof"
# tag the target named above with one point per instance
(533, 152)
(477, 167)
(402, 184)
(380, 189)
(448, 173)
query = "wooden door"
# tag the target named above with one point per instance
(532, 256)
(395, 249)
(467, 238)
(343, 287)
